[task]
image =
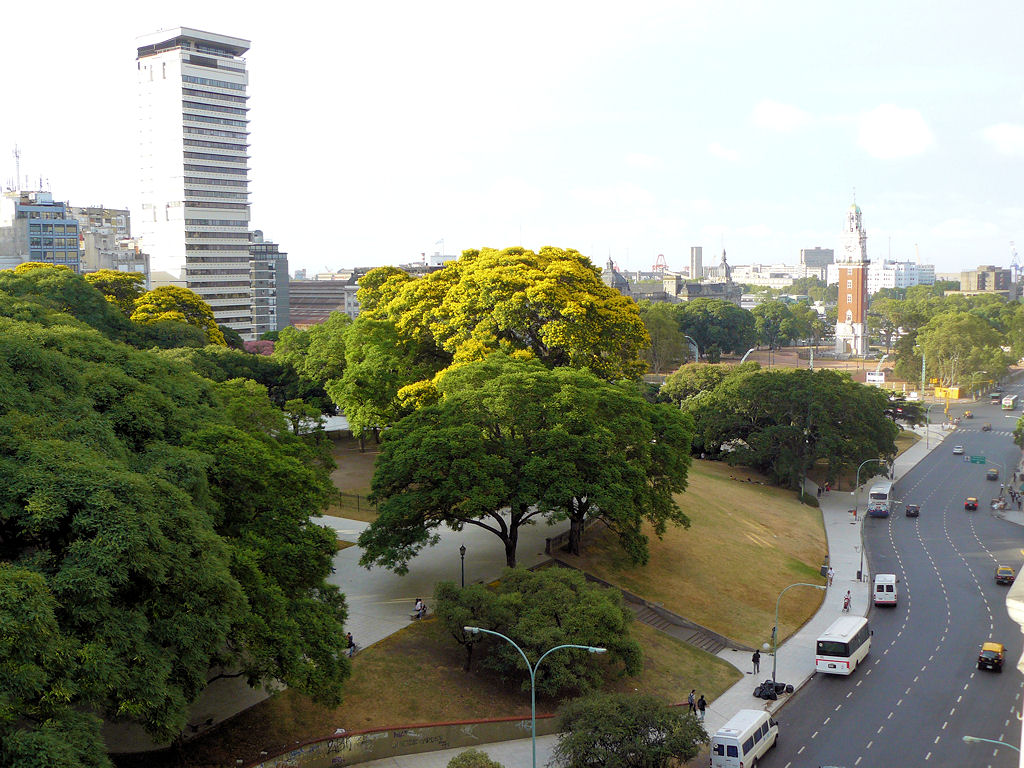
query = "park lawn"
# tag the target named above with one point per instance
(415, 677)
(746, 542)
(352, 478)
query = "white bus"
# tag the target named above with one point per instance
(1009, 402)
(880, 499)
(843, 646)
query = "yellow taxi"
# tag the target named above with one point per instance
(991, 657)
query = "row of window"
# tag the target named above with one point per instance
(211, 95)
(64, 243)
(214, 83)
(213, 132)
(224, 206)
(217, 223)
(49, 215)
(213, 108)
(57, 229)
(217, 182)
(225, 247)
(215, 145)
(215, 120)
(191, 259)
(216, 169)
(214, 193)
(243, 235)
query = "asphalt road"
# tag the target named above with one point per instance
(919, 691)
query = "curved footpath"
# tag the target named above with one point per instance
(795, 661)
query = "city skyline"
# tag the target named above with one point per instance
(747, 125)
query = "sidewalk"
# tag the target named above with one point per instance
(795, 658)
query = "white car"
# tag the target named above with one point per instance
(958, 450)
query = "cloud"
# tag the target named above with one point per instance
(1007, 139)
(718, 150)
(889, 132)
(965, 229)
(640, 160)
(776, 116)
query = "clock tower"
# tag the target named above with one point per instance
(852, 261)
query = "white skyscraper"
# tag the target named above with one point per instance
(194, 166)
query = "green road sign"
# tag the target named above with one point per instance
(977, 459)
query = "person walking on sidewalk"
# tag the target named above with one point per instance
(830, 574)
(701, 706)
(846, 602)
(691, 701)
(756, 658)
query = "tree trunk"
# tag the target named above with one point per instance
(362, 441)
(511, 541)
(469, 656)
(575, 534)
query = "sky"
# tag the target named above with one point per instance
(380, 131)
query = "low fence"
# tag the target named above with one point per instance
(353, 502)
(363, 746)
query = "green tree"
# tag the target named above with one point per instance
(475, 605)
(510, 442)
(556, 606)
(716, 321)
(773, 323)
(625, 731)
(668, 346)
(782, 421)
(120, 288)
(172, 302)
(957, 344)
(694, 378)
(473, 758)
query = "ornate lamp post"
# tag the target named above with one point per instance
(462, 555)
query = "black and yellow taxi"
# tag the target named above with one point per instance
(991, 657)
(1005, 574)
(970, 503)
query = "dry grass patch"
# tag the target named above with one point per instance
(415, 676)
(746, 543)
(352, 477)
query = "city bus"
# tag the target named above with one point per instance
(880, 499)
(1010, 403)
(843, 646)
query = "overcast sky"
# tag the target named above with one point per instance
(379, 129)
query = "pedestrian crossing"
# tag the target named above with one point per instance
(1002, 432)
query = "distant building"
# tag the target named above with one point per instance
(313, 301)
(268, 278)
(696, 262)
(107, 243)
(775, 276)
(988, 279)
(611, 277)
(899, 275)
(851, 321)
(33, 227)
(717, 285)
(817, 257)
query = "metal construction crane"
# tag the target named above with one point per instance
(1014, 263)
(659, 264)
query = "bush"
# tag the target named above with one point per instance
(473, 758)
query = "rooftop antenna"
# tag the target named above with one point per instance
(17, 168)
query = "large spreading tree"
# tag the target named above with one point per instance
(156, 530)
(510, 442)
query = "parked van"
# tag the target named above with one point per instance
(744, 739)
(885, 589)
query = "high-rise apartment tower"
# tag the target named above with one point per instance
(194, 166)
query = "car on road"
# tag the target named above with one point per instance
(958, 450)
(986, 427)
(992, 474)
(913, 510)
(1005, 574)
(970, 503)
(968, 414)
(991, 657)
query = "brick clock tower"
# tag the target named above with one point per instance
(852, 261)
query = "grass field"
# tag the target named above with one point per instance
(746, 542)
(415, 676)
(352, 477)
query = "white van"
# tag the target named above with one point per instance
(745, 738)
(885, 589)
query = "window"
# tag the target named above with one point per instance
(748, 744)
(849, 284)
(732, 751)
(849, 298)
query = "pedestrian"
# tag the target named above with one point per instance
(701, 706)
(819, 491)
(350, 644)
(846, 602)
(831, 575)
(691, 701)
(828, 487)
(756, 658)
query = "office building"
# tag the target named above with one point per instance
(899, 275)
(194, 165)
(817, 258)
(269, 280)
(988, 279)
(696, 262)
(33, 227)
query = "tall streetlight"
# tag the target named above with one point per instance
(972, 739)
(462, 556)
(533, 675)
(775, 627)
(745, 354)
(696, 349)
(856, 505)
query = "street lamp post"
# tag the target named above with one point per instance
(533, 675)
(744, 358)
(856, 506)
(972, 739)
(928, 423)
(696, 349)
(462, 555)
(775, 628)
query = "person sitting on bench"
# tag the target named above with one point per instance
(419, 610)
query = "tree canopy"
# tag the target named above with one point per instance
(122, 289)
(157, 527)
(172, 302)
(511, 442)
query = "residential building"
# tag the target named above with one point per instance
(34, 227)
(774, 276)
(268, 279)
(899, 274)
(194, 165)
(852, 263)
(988, 279)
(105, 234)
